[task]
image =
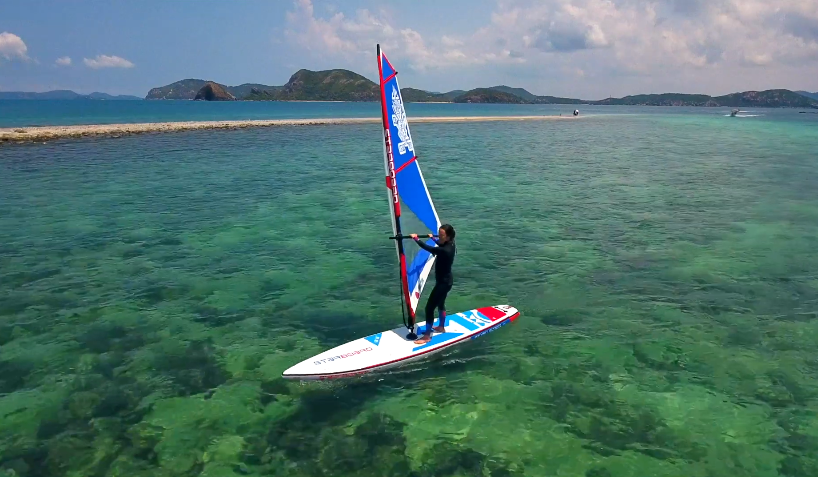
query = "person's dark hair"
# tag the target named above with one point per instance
(449, 231)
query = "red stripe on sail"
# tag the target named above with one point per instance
(406, 164)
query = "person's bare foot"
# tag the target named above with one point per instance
(427, 337)
(439, 329)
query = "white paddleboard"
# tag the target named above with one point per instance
(391, 348)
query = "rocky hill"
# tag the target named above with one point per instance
(772, 98)
(775, 98)
(412, 95)
(304, 85)
(521, 92)
(213, 92)
(533, 98)
(184, 89)
(345, 85)
(488, 95)
(188, 88)
(243, 90)
(808, 94)
(258, 94)
(666, 99)
(329, 85)
(65, 94)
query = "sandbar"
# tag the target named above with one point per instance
(45, 133)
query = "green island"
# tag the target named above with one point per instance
(345, 85)
(65, 94)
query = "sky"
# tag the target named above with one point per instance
(588, 49)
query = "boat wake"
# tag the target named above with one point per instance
(739, 115)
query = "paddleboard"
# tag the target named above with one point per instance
(389, 349)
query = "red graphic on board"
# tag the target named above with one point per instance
(491, 313)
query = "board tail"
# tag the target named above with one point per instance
(411, 205)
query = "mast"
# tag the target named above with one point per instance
(394, 201)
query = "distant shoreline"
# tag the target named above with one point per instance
(48, 133)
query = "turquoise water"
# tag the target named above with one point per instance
(153, 289)
(19, 113)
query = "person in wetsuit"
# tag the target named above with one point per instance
(445, 252)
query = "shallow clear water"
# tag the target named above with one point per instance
(153, 289)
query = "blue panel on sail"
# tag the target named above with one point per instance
(414, 194)
(414, 270)
(411, 188)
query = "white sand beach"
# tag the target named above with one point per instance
(45, 133)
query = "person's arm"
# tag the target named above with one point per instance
(427, 247)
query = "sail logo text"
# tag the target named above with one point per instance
(490, 329)
(391, 180)
(399, 121)
(341, 356)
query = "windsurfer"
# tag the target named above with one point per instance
(445, 252)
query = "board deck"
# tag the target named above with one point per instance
(391, 348)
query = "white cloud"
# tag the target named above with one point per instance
(13, 47)
(450, 42)
(354, 39)
(702, 45)
(63, 61)
(105, 61)
(647, 35)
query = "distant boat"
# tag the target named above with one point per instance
(734, 112)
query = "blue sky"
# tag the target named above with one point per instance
(577, 48)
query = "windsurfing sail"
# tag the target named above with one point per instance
(410, 204)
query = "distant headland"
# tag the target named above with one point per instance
(345, 85)
(66, 94)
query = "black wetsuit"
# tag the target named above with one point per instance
(443, 281)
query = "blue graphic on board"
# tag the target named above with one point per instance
(471, 320)
(374, 339)
(437, 339)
